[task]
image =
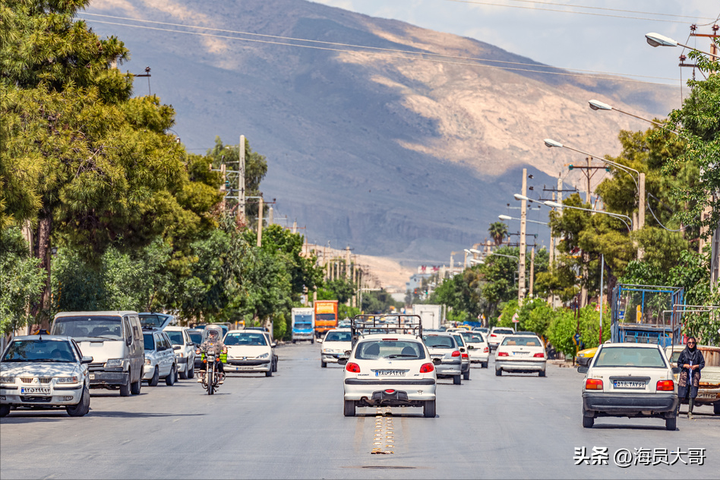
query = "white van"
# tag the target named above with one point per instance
(114, 340)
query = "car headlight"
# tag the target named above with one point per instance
(7, 379)
(264, 355)
(581, 354)
(147, 361)
(115, 363)
(327, 350)
(73, 379)
(181, 355)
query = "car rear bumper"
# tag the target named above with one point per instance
(333, 357)
(100, 378)
(629, 404)
(391, 391)
(448, 369)
(479, 357)
(520, 365)
(707, 396)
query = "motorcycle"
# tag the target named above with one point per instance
(211, 377)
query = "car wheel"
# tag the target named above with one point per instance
(135, 386)
(4, 410)
(170, 379)
(155, 378)
(184, 374)
(83, 406)
(323, 364)
(294, 341)
(349, 408)
(457, 379)
(126, 390)
(269, 372)
(429, 409)
(466, 375)
(542, 373)
(716, 408)
(671, 423)
(588, 422)
(312, 340)
(191, 371)
(483, 365)
(274, 367)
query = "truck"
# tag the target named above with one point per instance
(646, 314)
(326, 316)
(303, 324)
(431, 315)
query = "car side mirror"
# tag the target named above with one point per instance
(177, 347)
(462, 349)
(676, 369)
(86, 359)
(342, 361)
(582, 369)
(273, 344)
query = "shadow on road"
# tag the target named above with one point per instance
(608, 426)
(117, 414)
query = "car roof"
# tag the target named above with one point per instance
(174, 328)
(439, 334)
(42, 337)
(104, 313)
(633, 345)
(522, 335)
(243, 331)
(385, 335)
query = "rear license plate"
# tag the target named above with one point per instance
(629, 384)
(520, 353)
(35, 391)
(707, 395)
(389, 373)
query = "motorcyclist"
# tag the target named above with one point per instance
(213, 343)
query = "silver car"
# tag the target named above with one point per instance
(445, 354)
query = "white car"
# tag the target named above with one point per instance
(159, 358)
(249, 351)
(522, 354)
(44, 371)
(335, 345)
(629, 380)
(497, 335)
(389, 370)
(184, 350)
(478, 348)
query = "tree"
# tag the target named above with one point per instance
(498, 231)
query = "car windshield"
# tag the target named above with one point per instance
(629, 357)
(459, 339)
(90, 326)
(675, 356)
(522, 341)
(195, 336)
(176, 338)
(39, 351)
(304, 320)
(338, 337)
(473, 337)
(503, 331)
(152, 320)
(392, 349)
(254, 339)
(149, 341)
(439, 341)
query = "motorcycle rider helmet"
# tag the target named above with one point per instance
(213, 334)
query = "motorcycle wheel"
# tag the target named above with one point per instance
(210, 379)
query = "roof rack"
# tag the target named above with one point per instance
(390, 323)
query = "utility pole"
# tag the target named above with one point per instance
(532, 271)
(260, 223)
(271, 216)
(523, 225)
(641, 203)
(223, 169)
(588, 188)
(241, 185)
(294, 229)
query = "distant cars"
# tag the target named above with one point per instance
(521, 353)
(44, 371)
(629, 380)
(249, 351)
(389, 369)
(184, 348)
(445, 355)
(336, 344)
(478, 348)
(464, 355)
(497, 335)
(159, 358)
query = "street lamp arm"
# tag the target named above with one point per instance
(503, 255)
(619, 216)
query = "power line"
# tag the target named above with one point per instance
(426, 56)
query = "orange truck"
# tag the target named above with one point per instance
(326, 316)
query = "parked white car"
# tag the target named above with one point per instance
(522, 354)
(335, 345)
(478, 348)
(629, 380)
(249, 351)
(389, 370)
(184, 350)
(44, 371)
(159, 358)
(497, 335)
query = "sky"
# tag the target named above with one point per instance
(605, 36)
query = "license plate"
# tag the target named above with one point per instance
(706, 395)
(35, 390)
(520, 353)
(92, 376)
(629, 384)
(389, 373)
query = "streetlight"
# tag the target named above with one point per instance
(620, 216)
(507, 217)
(657, 40)
(598, 105)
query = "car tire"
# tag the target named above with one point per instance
(155, 378)
(274, 367)
(312, 340)
(323, 364)
(294, 341)
(135, 386)
(191, 371)
(4, 410)
(349, 408)
(541, 373)
(483, 365)
(269, 372)
(457, 379)
(498, 372)
(172, 377)
(716, 408)
(588, 422)
(429, 409)
(126, 390)
(466, 375)
(83, 406)
(671, 423)
(184, 374)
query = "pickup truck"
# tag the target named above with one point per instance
(709, 390)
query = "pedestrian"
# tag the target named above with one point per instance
(690, 363)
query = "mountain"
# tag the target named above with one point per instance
(405, 155)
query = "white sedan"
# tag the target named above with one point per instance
(389, 370)
(478, 349)
(249, 351)
(629, 380)
(334, 346)
(522, 354)
(497, 335)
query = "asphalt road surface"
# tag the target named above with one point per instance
(291, 426)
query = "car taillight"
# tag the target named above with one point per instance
(389, 390)
(485, 350)
(456, 353)
(593, 384)
(464, 355)
(502, 354)
(493, 335)
(352, 367)
(539, 355)
(427, 368)
(665, 386)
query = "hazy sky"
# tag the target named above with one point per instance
(606, 35)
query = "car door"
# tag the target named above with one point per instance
(162, 350)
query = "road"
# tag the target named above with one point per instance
(291, 426)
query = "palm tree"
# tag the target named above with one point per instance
(498, 231)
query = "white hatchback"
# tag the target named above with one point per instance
(497, 335)
(389, 370)
(249, 351)
(522, 354)
(478, 348)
